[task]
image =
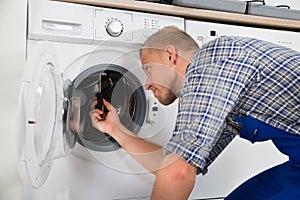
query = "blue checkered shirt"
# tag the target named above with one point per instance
(233, 76)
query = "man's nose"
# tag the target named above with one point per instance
(148, 84)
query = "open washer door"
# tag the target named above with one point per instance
(47, 117)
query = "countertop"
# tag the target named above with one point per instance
(196, 13)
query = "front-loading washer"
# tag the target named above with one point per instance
(75, 52)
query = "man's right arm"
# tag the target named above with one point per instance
(149, 155)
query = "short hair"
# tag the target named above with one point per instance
(171, 35)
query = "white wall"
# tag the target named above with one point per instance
(12, 57)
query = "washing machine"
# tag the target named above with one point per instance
(74, 53)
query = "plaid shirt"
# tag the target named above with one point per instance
(234, 76)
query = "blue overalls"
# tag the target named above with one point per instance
(281, 182)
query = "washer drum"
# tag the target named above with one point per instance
(122, 89)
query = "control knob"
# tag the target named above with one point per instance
(114, 27)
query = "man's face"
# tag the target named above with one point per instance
(160, 75)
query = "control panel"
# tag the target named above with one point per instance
(75, 23)
(128, 26)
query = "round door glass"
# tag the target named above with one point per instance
(43, 128)
(50, 114)
(44, 117)
(118, 86)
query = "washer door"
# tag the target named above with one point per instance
(46, 117)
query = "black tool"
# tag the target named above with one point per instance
(100, 104)
(99, 95)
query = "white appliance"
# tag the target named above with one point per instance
(74, 52)
(241, 159)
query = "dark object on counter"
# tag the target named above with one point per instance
(281, 11)
(251, 7)
(220, 5)
(160, 1)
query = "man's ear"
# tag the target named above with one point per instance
(171, 50)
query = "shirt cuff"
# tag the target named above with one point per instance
(192, 154)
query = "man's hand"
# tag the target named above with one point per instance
(105, 122)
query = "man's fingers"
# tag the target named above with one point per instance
(107, 105)
(94, 103)
(96, 114)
